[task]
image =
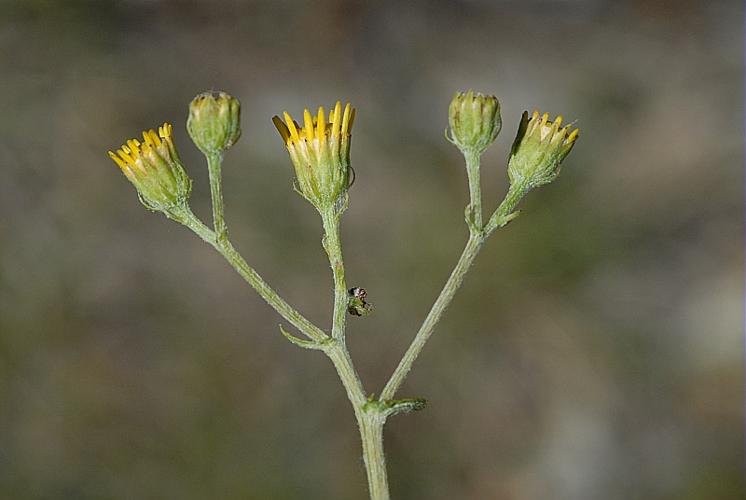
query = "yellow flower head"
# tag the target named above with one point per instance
(154, 168)
(539, 148)
(320, 152)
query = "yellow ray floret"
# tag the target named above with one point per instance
(551, 129)
(131, 151)
(319, 127)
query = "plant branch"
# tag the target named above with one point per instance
(428, 326)
(224, 246)
(506, 212)
(500, 217)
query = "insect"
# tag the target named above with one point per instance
(356, 304)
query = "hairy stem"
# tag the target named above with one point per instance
(428, 326)
(499, 218)
(371, 433)
(370, 421)
(333, 247)
(369, 414)
(224, 246)
(506, 211)
(340, 357)
(370, 424)
(475, 188)
(214, 166)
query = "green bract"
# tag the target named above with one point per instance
(214, 121)
(474, 120)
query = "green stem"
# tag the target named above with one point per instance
(371, 433)
(475, 190)
(340, 357)
(224, 246)
(500, 217)
(214, 166)
(370, 420)
(333, 247)
(428, 326)
(506, 211)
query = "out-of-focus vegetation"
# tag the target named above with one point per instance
(594, 352)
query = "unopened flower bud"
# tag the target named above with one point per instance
(214, 121)
(474, 120)
(320, 152)
(154, 168)
(538, 150)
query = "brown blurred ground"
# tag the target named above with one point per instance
(595, 352)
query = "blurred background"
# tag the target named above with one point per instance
(595, 351)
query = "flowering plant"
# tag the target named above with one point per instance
(320, 153)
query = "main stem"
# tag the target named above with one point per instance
(369, 418)
(371, 433)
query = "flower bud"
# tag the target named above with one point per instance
(320, 152)
(154, 168)
(214, 121)
(538, 150)
(474, 120)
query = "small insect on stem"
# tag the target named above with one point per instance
(356, 304)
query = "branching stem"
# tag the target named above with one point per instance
(370, 413)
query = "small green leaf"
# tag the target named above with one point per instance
(306, 344)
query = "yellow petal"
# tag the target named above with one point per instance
(165, 131)
(336, 120)
(320, 124)
(126, 157)
(346, 120)
(291, 126)
(118, 160)
(133, 147)
(154, 136)
(308, 119)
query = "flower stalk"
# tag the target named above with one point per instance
(474, 209)
(333, 246)
(214, 167)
